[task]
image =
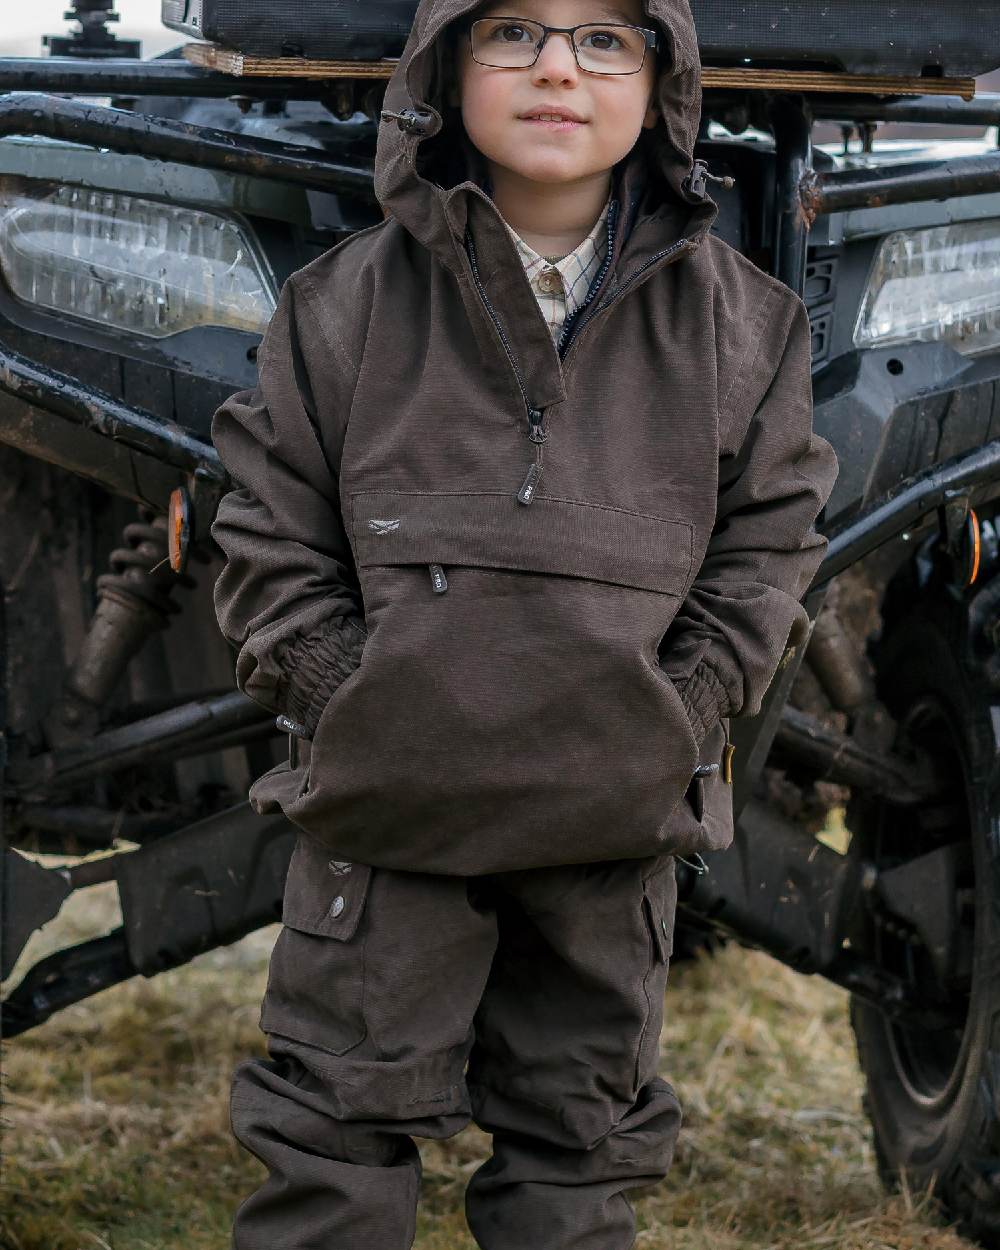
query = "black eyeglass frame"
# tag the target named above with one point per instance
(651, 38)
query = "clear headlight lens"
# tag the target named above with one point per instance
(133, 264)
(939, 283)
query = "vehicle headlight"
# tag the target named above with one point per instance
(939, 283)
(133, 264)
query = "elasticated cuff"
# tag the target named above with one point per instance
(705, 700)
(314, 666)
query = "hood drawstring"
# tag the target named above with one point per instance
(694, 183)
(410, 121)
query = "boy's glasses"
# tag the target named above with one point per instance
(599, 47)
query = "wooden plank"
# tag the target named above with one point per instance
(815, 80)
(210, 56)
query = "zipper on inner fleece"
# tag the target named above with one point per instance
(536, 416)
(681, 244)
(570, 324)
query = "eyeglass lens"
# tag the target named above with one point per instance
(600, 48)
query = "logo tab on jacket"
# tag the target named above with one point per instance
(383, 527)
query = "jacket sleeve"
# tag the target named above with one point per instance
(775, 475)
(288, 595)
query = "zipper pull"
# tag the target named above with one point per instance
(530, 484)
(535, 431)
(728, 752)
(439, 583)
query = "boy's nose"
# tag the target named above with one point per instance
(556, 61)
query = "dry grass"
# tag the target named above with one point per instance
(118, 1135)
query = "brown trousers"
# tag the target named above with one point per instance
(404, 1005)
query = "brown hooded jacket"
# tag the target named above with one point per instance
(573, 564)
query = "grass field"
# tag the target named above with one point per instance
(117, 1134)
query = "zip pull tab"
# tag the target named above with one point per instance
(728, 751)
(439, 583)
(535, 431)
(700, 867)
(530, 483)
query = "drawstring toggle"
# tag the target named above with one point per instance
(694, 183)
(410, 121)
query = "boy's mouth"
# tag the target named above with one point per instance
(553, 118)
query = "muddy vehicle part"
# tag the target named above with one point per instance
(203, 887)
(931, 1090)
(121, 729)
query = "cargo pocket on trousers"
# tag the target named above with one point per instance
(660, 905)
(315, 985)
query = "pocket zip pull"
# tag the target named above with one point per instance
(706, 770)
(728, 751)
(530, 483)
(439, 583)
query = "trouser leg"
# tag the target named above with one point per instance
(563, 1071)
(368, 1014)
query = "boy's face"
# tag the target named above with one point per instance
(610, 109)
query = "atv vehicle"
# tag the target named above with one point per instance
(142, 247)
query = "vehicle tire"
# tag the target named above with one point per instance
(932, 1093)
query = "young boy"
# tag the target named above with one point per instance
(526, 508)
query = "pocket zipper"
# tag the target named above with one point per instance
(439, 583)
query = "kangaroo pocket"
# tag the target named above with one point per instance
(509, 711)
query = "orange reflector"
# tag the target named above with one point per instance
(178, 528)
(976, 546)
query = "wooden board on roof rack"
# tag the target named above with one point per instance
(211, 56)
(224, 60)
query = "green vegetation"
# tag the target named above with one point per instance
(118, 1135)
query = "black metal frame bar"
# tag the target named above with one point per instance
(103, 414)
(940, 110)
(904, 507)
(118, 76)
(902, 184)
(791, 122)
(983, 110)
(118, 130)
(140, 741)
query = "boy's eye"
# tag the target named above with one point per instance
(600, 40)
(512, 32)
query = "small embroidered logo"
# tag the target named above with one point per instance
(383, 527)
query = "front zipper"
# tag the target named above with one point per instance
(536, 416)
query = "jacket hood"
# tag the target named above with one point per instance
(423, 155)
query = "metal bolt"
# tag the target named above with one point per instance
(337, 906)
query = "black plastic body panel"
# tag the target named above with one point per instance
(914, 37)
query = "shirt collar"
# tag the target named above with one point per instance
(585, 257)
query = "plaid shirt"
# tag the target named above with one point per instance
(560, 286)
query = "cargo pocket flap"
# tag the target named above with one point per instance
(324, 895)
(554, 536)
